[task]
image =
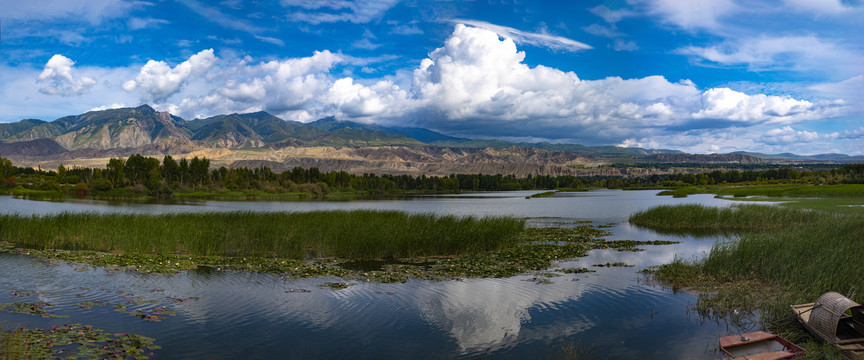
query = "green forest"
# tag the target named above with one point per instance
(140, 176)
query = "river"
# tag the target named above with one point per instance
(612, 313)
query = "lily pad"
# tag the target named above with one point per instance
(75, 341)
(30, 308)
(615, 264)
(336, 285)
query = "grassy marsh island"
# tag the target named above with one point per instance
(700, 218)
(773, 190)
(543, 194)
(848, 198)
(781, 256)
(313, 244)
(361, 234)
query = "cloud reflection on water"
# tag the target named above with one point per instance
(612, 309)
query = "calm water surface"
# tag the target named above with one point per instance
(612, 312)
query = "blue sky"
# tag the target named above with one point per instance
(700, 76)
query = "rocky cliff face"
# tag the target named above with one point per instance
(398, 160)
(358, 160)
(444, 168)
(121, 128)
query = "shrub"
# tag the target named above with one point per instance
(81, 189)
(101, 185)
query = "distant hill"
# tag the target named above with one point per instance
(244, 129)
(594, 151)
(419, 134)
(804, 158)
(358, 137)
(29, 129)
(703, 159)
(38, 147)
(7, 130)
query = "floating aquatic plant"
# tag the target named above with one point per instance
(575, 270)
(298, 291)
(540, 280)
(533, 249)
(155, 314)
(30, 308)
(336, 285)
(74, 341)
(90, 304)
(24, 293)
(615, 264)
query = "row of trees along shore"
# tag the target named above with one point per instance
(147, 175)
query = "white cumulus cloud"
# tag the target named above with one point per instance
(109, 106)
(157, 80)
(476, 75)
(731, 105)
(288, 87)
(850, 134)
(787, 135)
(382, 99)
(477, 83)
(57, 78)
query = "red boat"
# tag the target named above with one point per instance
(759, 345)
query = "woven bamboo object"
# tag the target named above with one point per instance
(827, 312)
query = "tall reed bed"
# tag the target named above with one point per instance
(804, 252)
(793, 190)
(808, 260)
(361, 234)
(772, 190)
(739, 217)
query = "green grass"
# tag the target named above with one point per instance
(240, 195)
(805, 251)
(807, 261)
(776, 190)
(782, 256)
(361, 234)
(24, 192)
(828, 204)
(533, 249)
(671, 218)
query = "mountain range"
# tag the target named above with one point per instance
(140, 126)
(260, 136)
